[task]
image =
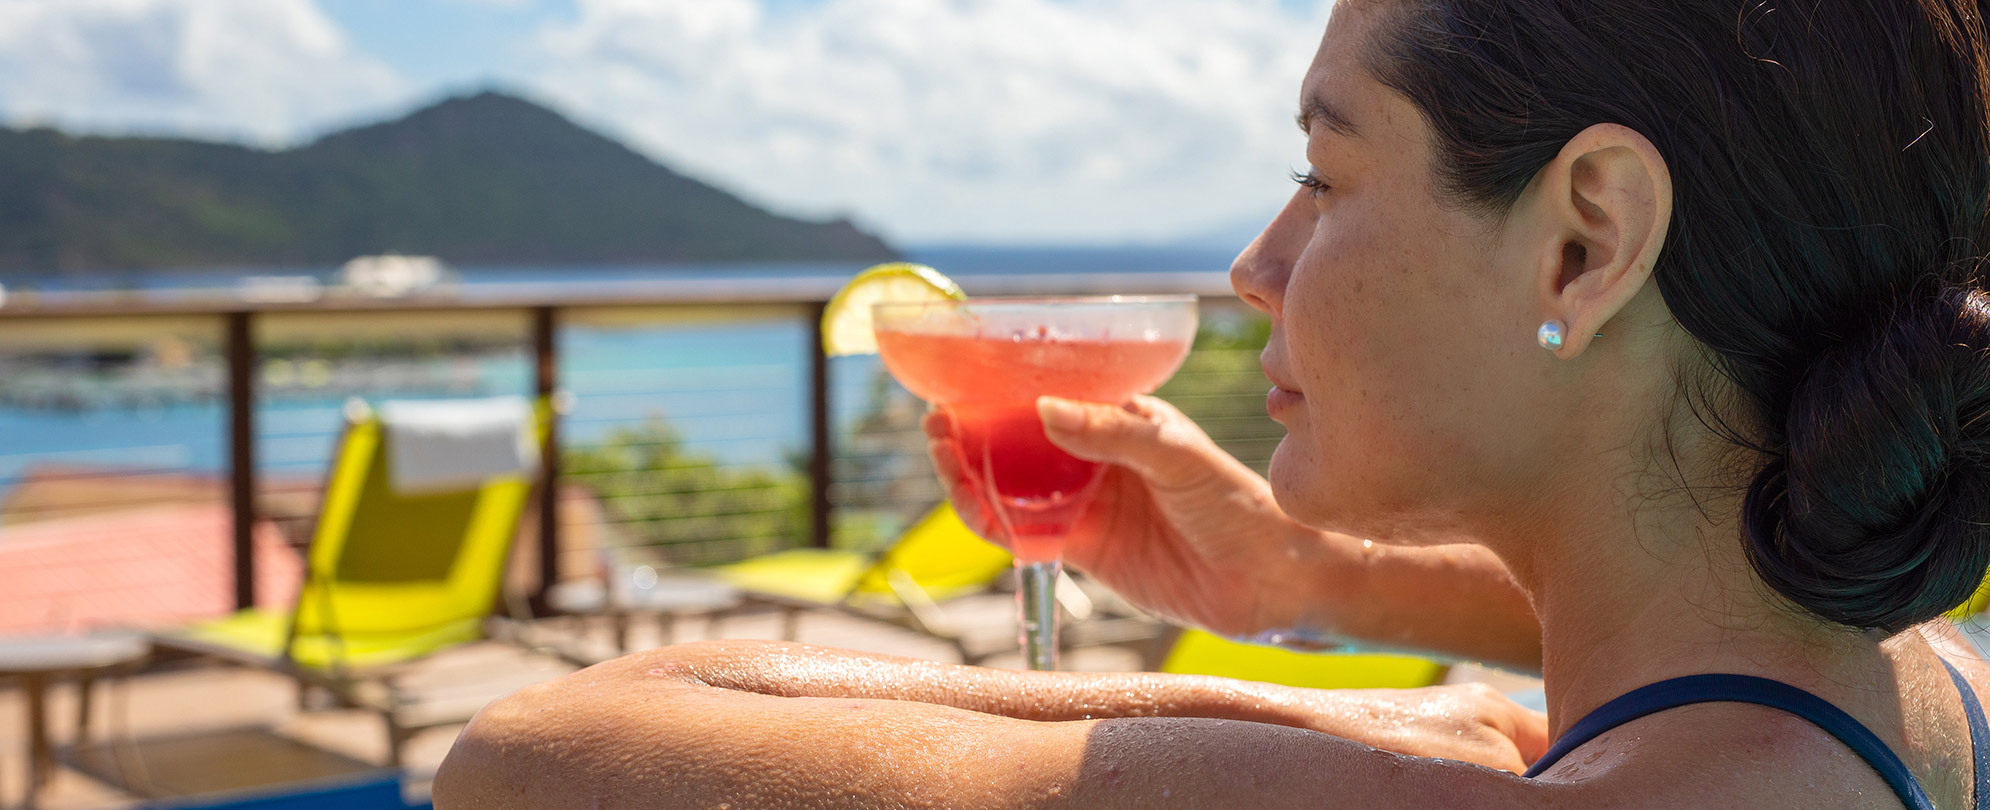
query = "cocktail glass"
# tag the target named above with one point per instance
(984, 362)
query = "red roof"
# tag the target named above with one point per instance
(151, 568)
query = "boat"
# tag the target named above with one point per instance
(392, 275)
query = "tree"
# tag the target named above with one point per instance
(684, 504)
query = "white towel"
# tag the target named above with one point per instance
(455, 444)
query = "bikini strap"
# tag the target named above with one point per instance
(1979, 736)
(1728, 688)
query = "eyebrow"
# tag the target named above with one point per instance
(1316, 110)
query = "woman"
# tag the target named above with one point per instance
(1667, 313)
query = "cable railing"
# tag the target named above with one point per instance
(705, 424)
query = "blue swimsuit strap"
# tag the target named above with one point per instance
(1979, 736)
(1728, 688)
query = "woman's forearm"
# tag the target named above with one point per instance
(1393, 720)
(1456, 601)
(785, 670)
(650, 732)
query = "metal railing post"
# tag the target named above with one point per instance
(818, 429)
(241, 352)
(546, 381)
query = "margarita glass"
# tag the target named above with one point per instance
(984, 362)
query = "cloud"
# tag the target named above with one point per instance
(267, 71)
(996, 120)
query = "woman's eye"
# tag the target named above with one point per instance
(1310, 179)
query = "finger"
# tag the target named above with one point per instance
(946, 457)
(1531, 735)
(963, 486)
(1155, 408)
(945, 454)
(1525, 727)
(1147, 435)
(938, 424)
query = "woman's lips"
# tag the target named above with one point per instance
(1280, 399)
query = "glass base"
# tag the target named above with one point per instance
(1036, 604)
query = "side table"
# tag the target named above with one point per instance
(665, 597)
(39, 660)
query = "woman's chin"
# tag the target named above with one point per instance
(1306, 493)
(1311, 488)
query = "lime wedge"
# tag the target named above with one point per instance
(846, 322)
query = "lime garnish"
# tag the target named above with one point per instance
(846, 322)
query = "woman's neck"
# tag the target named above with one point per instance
(1632, 589)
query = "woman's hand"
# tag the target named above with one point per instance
(1469, 722)
(1186, 531)
(1178, 526)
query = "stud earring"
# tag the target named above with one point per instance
(1551, 335)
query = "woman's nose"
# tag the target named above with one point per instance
(1260, 272)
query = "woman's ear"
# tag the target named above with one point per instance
(1605, 207)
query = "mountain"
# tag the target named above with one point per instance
(486, 179)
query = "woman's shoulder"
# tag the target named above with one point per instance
(1961, 651)
(1959, 647)
(1722, 755)
(1730, 754)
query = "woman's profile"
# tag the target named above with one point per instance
(1643, 345)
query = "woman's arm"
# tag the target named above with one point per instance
(674, 728)
(1185, 530)
(1468, 722)
(1456, 600)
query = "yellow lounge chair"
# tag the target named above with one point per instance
(936, 560)
(390, 578)
(1198, 652)
(1977, 603)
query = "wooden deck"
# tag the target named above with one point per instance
(199, 728)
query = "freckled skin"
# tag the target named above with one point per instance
(1504, 475)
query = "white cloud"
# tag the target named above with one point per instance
(268, 71)
(995, 120)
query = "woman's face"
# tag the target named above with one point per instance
(1403, 341)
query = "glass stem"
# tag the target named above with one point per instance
(1036, 600)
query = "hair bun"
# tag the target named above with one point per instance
(1878, 513)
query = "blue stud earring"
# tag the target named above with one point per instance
(1551, 335)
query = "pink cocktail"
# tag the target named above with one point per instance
(985, 362)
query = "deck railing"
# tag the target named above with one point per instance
(265, 348)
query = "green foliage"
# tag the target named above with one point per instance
(1221, 386)
(685, 504)
(488, 179)
(884, 481)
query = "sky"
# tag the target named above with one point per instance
(927, 121)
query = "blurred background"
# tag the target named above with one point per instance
(229, 229)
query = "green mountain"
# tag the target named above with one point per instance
(486, 179)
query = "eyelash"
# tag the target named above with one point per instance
(1311, 181)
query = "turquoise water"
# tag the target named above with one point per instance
(737, 389)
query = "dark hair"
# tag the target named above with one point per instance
(1831, 168)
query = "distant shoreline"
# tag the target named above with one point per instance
(949, 259)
